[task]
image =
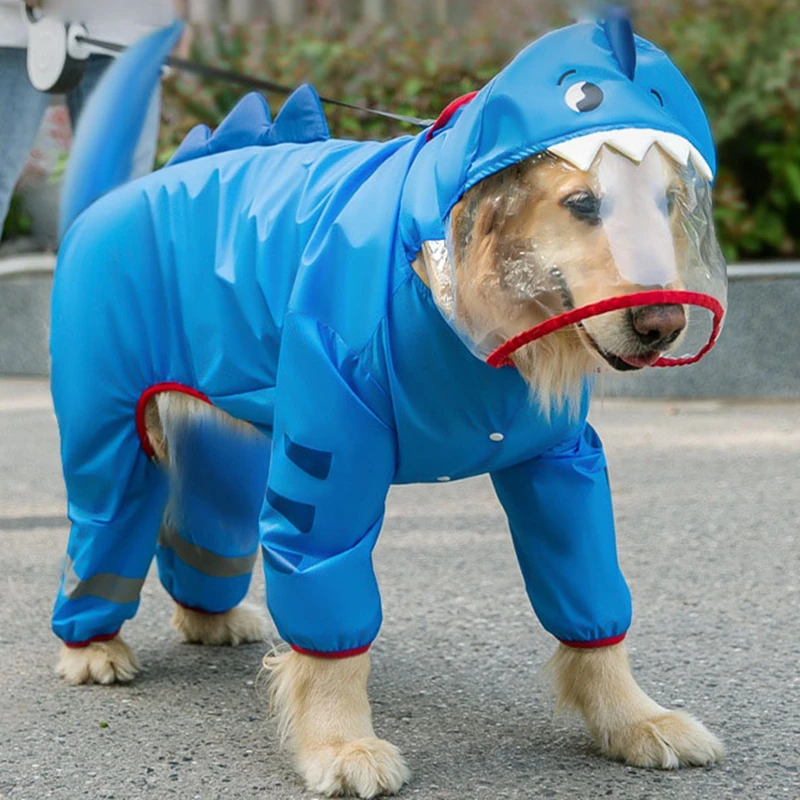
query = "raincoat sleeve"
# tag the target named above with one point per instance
(333, 460)
(562, 523)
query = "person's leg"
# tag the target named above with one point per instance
(79, 96)
(23, 108)
(145, 153)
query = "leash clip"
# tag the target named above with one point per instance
(57, 54)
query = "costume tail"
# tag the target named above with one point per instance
(110, 125)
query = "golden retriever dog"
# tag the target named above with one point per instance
(321, 705)
(536, 235)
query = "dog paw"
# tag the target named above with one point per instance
(99, 662)
(363, 767)
(237, 626)
(666, 741)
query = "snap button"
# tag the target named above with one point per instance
(496, 437)
(443, 478)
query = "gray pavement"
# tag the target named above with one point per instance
(707, 504)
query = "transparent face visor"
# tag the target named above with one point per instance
(625, 253)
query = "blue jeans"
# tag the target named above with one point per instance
(23, 108)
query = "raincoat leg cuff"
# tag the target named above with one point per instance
(102, 637)
(199, 610)
(607, 642)
(356, 651)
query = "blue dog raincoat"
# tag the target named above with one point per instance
(267, 270)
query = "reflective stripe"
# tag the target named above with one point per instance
(205, 561)
(105, 585)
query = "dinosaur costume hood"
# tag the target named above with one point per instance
(589, 93)
(568, 92)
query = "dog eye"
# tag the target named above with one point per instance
(673, 198)
(584, 206)
(583, 96)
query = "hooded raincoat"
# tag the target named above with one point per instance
(268, 270)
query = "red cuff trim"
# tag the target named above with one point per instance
(152, 391)
(596, 643)
(356, 651)
(199, 610)
(447, 114)
(103, 637)
(501, 356)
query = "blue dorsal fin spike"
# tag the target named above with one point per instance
(249, 124)
(301, 119)
(194, 145)
(619, 31)
(244, 126)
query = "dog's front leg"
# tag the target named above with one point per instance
(324, 715)
(627, 724)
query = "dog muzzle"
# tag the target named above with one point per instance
(620, 251)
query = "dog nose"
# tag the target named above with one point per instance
(658, 325)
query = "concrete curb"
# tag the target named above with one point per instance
(758, 355)
(25, 284)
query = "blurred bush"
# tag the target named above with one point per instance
(18, 221)
(401, 67)
(741, 56)
(743, 59)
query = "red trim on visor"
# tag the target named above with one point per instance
(500, 357)
(152, 391)
(356, 651)
(447, 114)
(103, 637)
(596, 643)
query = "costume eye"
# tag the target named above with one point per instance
(584, 206)
(566, 75)
(583, 96)
(657, 96)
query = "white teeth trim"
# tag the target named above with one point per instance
(679, 149)
(580, 151)
(631, 142)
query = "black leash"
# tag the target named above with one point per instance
(256, 83)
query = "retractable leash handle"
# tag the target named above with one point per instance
(57, 53)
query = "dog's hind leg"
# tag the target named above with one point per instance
(116, 500)
(626, 724)
(209, 538)
(324, 715)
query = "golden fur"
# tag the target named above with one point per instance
(323, 714)
(321, 705)
(237, 626)
(99, 662)
(624, 722)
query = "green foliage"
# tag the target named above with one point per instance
(17, 222)
(742, 57)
